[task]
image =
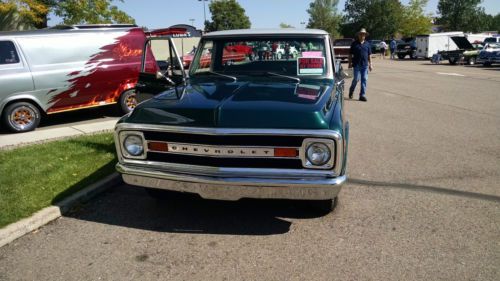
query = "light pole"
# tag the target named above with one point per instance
(303, 23)
(204, 10)
(192, 22)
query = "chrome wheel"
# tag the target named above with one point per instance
(131, 102)
(22, 117)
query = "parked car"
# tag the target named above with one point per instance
(342, 48)
(280, 51)
(490, 54)
(375, 46)
(253, 129)
(466, 51)
(68, 68)
(407, 48)
(495, 39)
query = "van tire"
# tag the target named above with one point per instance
(127, 101)
(21, 117)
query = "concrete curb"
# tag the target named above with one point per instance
(12, 141)
(18, 229)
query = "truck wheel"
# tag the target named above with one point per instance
(127, 101)
(401, 56)
(452, 61)
(471, 61)
(21, 117)
(326, 206)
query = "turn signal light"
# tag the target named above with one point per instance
(158, 146)
(286, 152)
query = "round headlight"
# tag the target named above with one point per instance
(133, 145)
(318, 154)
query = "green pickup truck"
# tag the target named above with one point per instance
(268, 127)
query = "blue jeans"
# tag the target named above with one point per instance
(359, 71)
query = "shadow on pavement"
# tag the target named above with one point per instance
(132, 207)
(427, 188)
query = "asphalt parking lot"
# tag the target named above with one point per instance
(423, 203)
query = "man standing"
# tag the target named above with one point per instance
(359, 58)
(392, 46)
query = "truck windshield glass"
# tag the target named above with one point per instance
(283, 56)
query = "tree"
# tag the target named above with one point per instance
(286, 25)
(495, 23)
(414, 20)
(227, 14)
(381, 18)
(460, 15)
(24, 13)
(92, 12)
(323, 15)
(35, 12)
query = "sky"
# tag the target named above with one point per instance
(262, 13)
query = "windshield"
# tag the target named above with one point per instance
(492, 46)
(490, 40)
(262, 56)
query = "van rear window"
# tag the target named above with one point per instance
(8, 54)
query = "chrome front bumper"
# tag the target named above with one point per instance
(227, 188)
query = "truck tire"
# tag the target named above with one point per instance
(127, 101)
(471, 61)
(401, 56)
(21, 117)
(452, 61)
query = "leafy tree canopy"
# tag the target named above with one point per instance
(323, 15)
(227, 14)
(461, 15)
(415, 21)
(286, 25)
(35, 12)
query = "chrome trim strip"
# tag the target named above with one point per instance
(259, 150)
(234, 188)
(328, 134)
(228, 172)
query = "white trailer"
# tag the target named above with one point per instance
(428, 45)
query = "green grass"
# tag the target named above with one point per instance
(37, 176)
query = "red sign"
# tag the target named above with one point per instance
(311, 66)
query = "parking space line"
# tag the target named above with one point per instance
(450, 74)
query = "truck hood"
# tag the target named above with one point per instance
(462, 43)
(242, 104)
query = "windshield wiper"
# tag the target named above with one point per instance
(224, 75)
(296, 79)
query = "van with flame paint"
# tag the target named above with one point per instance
(68, 68)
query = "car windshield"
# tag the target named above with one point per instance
(295, 57)
(492, 46)
(490, 40)
(342, 42)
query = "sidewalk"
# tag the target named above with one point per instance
(14, 140)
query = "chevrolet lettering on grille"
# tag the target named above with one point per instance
(222, 151)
